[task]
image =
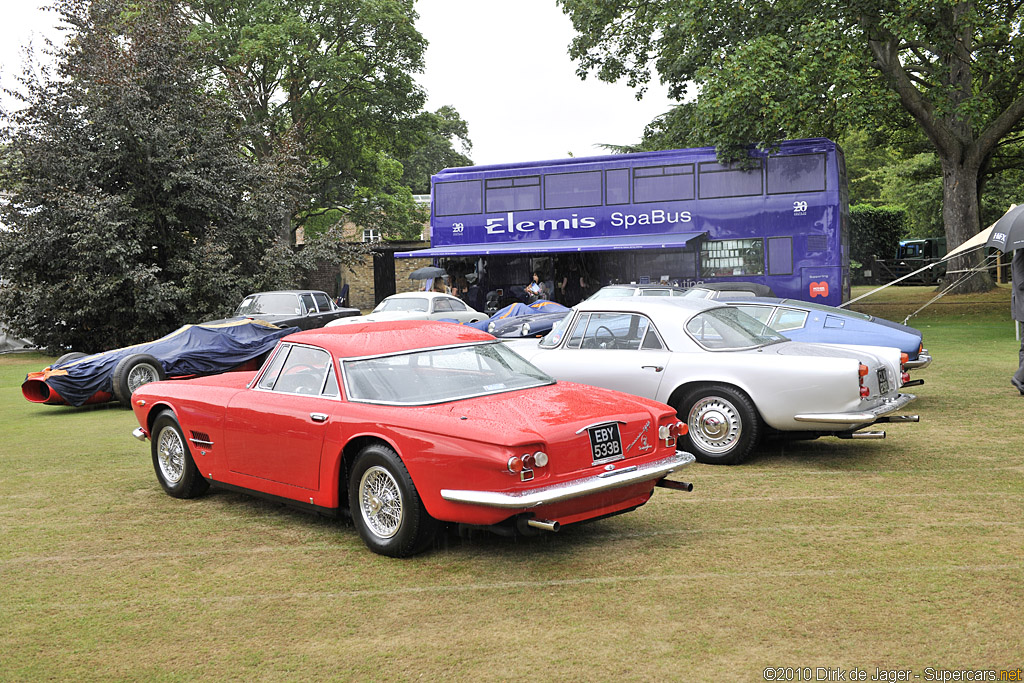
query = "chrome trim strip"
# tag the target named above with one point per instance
(867, 416)
(582, 487)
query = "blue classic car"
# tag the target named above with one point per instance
(807, 322)
(534, 320)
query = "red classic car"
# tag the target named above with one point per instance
(406, 425)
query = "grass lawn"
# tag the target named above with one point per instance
(905, 553)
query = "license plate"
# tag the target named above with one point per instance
(883, 381)
(605, 443)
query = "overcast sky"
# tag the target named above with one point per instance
(503, 64)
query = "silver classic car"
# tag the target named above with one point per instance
(730, 378)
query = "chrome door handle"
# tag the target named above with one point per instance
(656, 368)
(318, 417)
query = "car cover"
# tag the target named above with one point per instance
(517, 309)
(204, 349)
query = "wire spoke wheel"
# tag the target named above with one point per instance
(171, 455)
(142, 373)
(380, 502)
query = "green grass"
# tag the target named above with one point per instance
(903, 553)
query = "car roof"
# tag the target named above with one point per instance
(650, 305)
(379, 338)
(652, 285)
(288, 291)
(429, 295)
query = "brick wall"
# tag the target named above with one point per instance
(360, 280)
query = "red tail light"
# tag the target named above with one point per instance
(515, 465)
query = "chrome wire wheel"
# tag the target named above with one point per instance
(170, 455)
(380, 502)
(715, 425)
(142, 373)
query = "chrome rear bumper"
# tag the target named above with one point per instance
(862, 417)
(582, 487)
(923, 361)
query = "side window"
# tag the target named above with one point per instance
(304, 372)
(617, 186)
(457, 305)
(788, 319)
(272, 372)
(718, 180)
(760, 313)
(331, 387)
(459, 198)
(800, 173)
(652, 342)
(576, 337)
(443, 306)
(512, 194)
(307, 301)
(662, 183)
(615, 331)
(322, 302)
(568, 190)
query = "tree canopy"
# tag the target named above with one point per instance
(131, 208)
(337, 75)
(158, 171)
(949, 72)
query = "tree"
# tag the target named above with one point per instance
(429, 147)
(952, 72)
(133, 208)
(336, 74)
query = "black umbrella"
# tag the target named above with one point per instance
(1008, 231)
(427, 272)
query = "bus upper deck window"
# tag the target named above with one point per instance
(796, 173)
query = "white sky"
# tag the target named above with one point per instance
(503, 64)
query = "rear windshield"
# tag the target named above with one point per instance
(439, 375)
(270, 304)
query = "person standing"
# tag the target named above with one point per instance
(1017, 311)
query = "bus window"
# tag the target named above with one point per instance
(780, 255)
(457, 199)
(512, 194)
(617, 186)
(717, 181)
(720, 258)
(662, 183)
(796, 173)
(572, 190)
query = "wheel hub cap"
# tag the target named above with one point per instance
(715, 425)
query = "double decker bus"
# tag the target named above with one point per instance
(676, 216)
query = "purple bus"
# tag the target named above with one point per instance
(673, 216)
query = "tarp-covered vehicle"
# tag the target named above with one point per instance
(207, 349)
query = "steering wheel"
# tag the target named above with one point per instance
(609, 340)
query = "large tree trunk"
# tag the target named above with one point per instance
(960, 214)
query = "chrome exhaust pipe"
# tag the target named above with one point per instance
(675, 485)
(899, 418)
(545, 524)
(862, 435)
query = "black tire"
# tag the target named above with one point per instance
(67, 357)
(386, 508)
(131, 372)
(724, 426)
(172, 460)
